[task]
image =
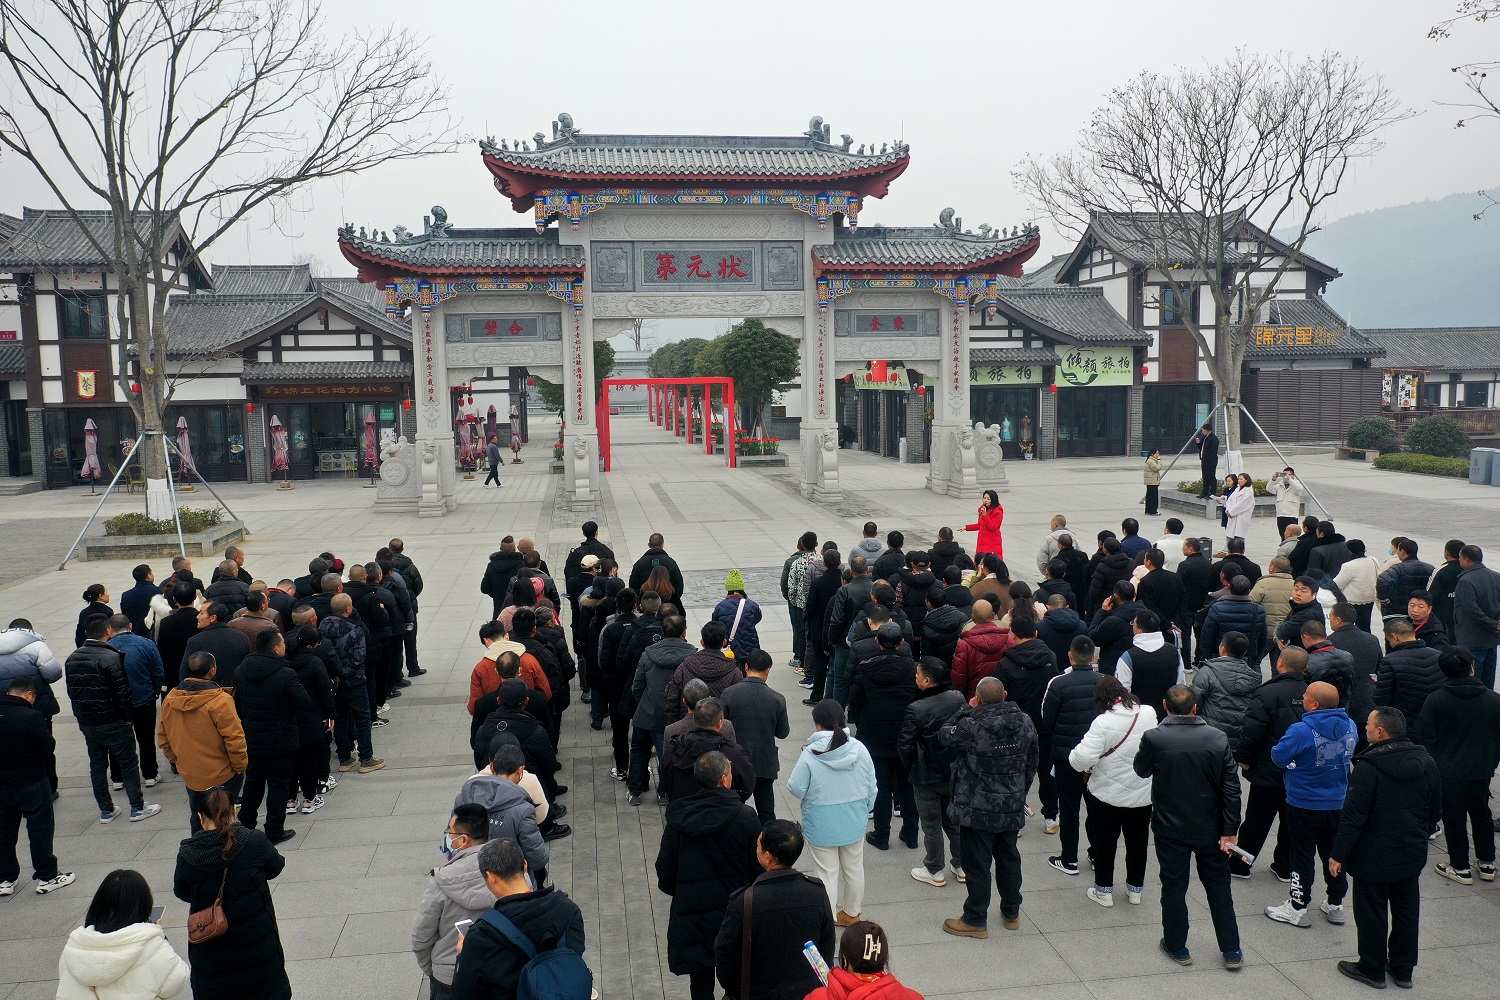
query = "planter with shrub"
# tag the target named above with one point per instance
(205, 533)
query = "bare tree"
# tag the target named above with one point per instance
(1214, 160)
(1483, 104)
(195, 114)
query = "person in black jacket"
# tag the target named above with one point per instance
(1305, 607)
(1207, 443)
(947, 552)
(1235, 612)
(1427, 627)
(708, 851)
(27, 757)
(931, 780)
(786, 910)
(135, 603)
(1407, 674)
(1393, 805)
(1160, 590)
(174, 631)
(1274, 706)
(814, 619)
(489, 964)
(227, 588)
(314, 719)
(395, 640)
(654, 556)
(269, 700)
(707, 733)
(1329, 551)
(96, 602)
(760, 714)
(1195, 813)
(510, 716)
(1068, 704)
(893, 560)
(1445, 581)
(1110, 630)
(499, 573)
(375, 615)
(883, 687)
(1460, 728)
(1113, 567)
(941, 627)
(1235, 563)
(229, 646)
(635, 638)
(100, 693)
(1195, 572)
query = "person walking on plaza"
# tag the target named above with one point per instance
(995, 750)
(100, 694)
(1195, 814)
(456, 892)
(269, 701)
(785, 910)
(739, 615)
(759, 714)
(1394, 803)
(834, 779)
(708, 851)
(200, 734)
(1274, 706)
(1460, 728)
(24, 653)
(27, 758)
(493, 456)
(883, 686)
(1476, 612)
(1119, 800)
(143, 668)
(1315, 755)
(931, 778)
(1207, 444)
(1151, 474)
(227, 861)
(987, 524)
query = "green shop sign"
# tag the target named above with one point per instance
(1097, 366)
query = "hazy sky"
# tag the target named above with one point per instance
(972, 87)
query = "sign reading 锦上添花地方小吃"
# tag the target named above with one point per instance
(1097, 366)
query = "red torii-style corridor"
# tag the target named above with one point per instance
(662, 397)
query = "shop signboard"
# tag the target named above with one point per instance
(1011, 374)
(367, 389)
(1097, 366)
(881, 376)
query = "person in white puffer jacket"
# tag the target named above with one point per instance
(120, 953)
(1119, 800)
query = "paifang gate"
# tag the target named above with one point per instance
(632, 226)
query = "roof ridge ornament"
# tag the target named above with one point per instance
(437, 226)
(949, 224)
(818, 132)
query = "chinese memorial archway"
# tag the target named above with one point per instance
(663, 398)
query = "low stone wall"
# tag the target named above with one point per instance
(1187, 503)
(196, 545)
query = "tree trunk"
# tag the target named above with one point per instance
(1230, 376)
(152, 404)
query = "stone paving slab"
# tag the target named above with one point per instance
(357, 868)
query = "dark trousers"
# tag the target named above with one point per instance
(701, 984)
(376, 684)
(641, 743)
(980, 848)
(799, 631)
(437, 990)
(494, 476)
(1282, 523)
(620, 736)
(1152, 500)
(310, 767)
(1174, 857)
(1069, 795)
(892, 781)
(52, 762)
(1208, 472)
(1379, 906)
(1466, 802)
(1362, 614)
(1046, 784)
(1106, 824)
(352, 724)
(34, 804)
(143, 722)
(1313, 830)
(932, 812)
(395, 658)
(1263, 804)
(815, 669)
(114, 739)
(269, 778)
(765, 799)
(1484, 666)
(412, 666)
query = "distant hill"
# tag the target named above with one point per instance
(1429, 263)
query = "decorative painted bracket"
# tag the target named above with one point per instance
(575, 206)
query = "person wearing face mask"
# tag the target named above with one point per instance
(456, 891)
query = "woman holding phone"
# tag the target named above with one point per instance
(120, 952)
(1239, 508)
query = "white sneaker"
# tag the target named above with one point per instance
(1335, 914)
(1050, 825)
(1134, 895)
(1104, 897)
(6, 888)
(151, 782)
(119, 785)
(958, 873)
(1437, 831)
(921, 874)
(150, 809)
(62, 879)
(1286, 913)
(291, 806)
(383, 709)
(313, 804)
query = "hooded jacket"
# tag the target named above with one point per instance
(941, 629)
(712, 667)
(677, 778)
(1058, 628)
(490, 965)
(1026, 669)
(1112, 634)
(916, 745)
(1407, 675)
(837, 789)
(707, 852)
(485, 677)
(871, 548)
(912, 586)
(269, 700)
(1394, 802)
(889, 565)
(97, 684)
(654, 672)
(349, 640)
(498, 575)
(1110, 571)
(845, 985)
(313, 676)
(1315, 754)
(456, 891)
(995, 749)
(529, 731)
(1274, 706)
(248, 960)
(978, 655)
(945, 554)
(1329, 553)
(199, 732)
(1107, 752)
(134, 961)
(882, 688)
(1460, 727)
(512, 813)
(24, 653)
(1224, 686)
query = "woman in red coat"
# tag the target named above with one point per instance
(988, 525)
(863, 972)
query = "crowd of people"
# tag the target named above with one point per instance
(1154, 691)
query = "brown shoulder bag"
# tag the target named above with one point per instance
(209, 922)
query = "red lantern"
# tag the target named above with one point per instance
(848, 378)
(1052, 388)
(1145, 370)
(406, 404)
(921, 390)
(878, 371)
(135, 387)
(249, 407)
(531, 382)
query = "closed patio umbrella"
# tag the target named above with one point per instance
(491, 424)
(372, 458)
(91, 467)
(185, 446)
(280, 456)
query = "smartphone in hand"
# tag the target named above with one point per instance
(156, 913)
(463, 927)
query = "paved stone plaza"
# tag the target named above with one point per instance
(357, 868)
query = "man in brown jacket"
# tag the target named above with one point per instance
(257, 616)
(199, 731)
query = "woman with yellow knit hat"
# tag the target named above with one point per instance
(739, 615)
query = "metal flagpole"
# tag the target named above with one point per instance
(194, 470)
(90, 522)
(1246, 410)
(172, 495)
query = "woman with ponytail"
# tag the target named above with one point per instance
(835, 779)
(95, 602)
(247, 962)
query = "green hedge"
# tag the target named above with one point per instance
(1438, 435)
(1427, 465)
(194, 519)
(1195, 487)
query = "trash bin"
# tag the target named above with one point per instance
(1494, 479)
(1481, 466)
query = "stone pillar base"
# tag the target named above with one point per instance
(586, 500)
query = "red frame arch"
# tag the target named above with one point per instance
(661, 409)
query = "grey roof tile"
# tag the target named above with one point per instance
(1046, 274)
(325, 371)
(261, 279)
(12, 361)
(53, 238)
(202, 325)
(917, 247)
(1079, 315)
(1013, 356)
(1144, 237)
(461, 250)
(1313, 312)
(1452, 348)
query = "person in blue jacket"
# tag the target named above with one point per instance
(834, 780)
(1315, 754)
(739, 615)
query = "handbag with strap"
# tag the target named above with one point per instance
(745, 945)
(1137, 718)
(734, 629)
(209, 922)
